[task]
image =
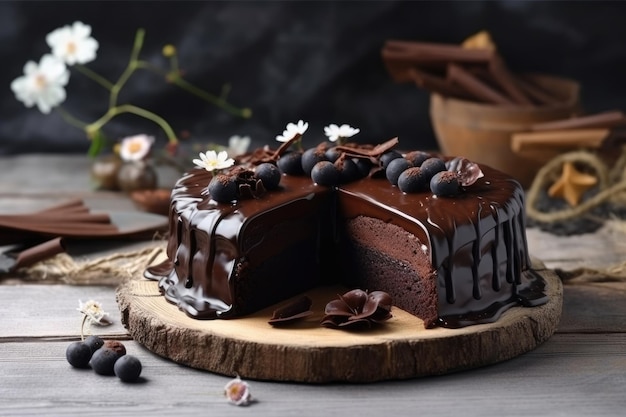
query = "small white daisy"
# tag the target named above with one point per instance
(212, 160)
(338, 133)
(135, 148)
(238, 145)
(73, 44)
(42, 84)
(292, 130)
(94, 313)
(238, 392)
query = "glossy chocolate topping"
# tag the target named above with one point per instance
(476, 243)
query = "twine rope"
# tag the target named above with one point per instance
(611, 184)
(108, 270)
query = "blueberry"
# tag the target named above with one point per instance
(325, 173)
(417, 157)
(332, 154)
(431, 166)
(127, 368)
(310, 157)
(269, 174)
(388, 157)
(348, 170)
(395, 168)
(94, 342)
(103, 360)
(364, 165)
(412, 180)
(223, 188)
(78, 354)
(445, 183)
(290, 163)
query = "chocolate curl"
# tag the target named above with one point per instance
(505, 80)
(372, 153)
(297, 309)
(476, 87)
(607, 119)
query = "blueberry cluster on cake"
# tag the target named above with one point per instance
(443, 236)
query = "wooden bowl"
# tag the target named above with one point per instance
(153, 201)
(482, 132)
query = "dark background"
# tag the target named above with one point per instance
(290, 60)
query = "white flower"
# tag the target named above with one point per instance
(336, 133)
(135, 148)
(43, 84)
(73, 44)
(238, 145)
(212, 160)
(292, 130)
(238, 392)
(94, 313)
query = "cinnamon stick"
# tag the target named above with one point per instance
(538, 94)
(476, 87)
(505, 79)
(606, 119)
(559, 139)
(433, 53)
(437, 84)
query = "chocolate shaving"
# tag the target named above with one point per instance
(375, 152)
(357, 308)
(292, 311)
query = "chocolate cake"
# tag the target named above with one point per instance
(452, 261)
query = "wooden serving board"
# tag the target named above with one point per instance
(304, 351)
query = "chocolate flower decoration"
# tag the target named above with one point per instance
(292, 311)
(467, 171)
(357, 308)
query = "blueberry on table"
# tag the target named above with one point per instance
(78, 354)
(445, 183)
(223, 188)
(127, 368)
(325, 173)
(94, 342)
(310, 157)
(395, 168)
(291, 163)
(103, 360)
(269, 174)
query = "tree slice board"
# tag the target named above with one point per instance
(304, 351)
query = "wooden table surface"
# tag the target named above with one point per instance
(579, 371)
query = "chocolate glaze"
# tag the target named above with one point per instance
(224, 263)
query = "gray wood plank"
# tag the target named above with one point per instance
(49, 311)
(570, 375)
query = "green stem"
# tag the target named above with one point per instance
(82, 328)
(175, 78)
(71, 119)
(94, 76)
(211, 98)
(129, 108)
(130, 68)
